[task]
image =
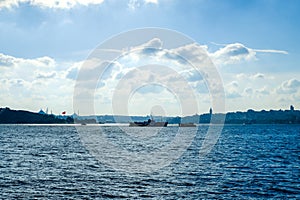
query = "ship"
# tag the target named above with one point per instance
(149, 123)
(187, 125)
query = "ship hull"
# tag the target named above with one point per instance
(151, 124)
(187, 125)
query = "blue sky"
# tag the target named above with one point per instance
(254, 44)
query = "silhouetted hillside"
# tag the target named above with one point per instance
(8, 116)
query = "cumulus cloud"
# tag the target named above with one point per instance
(248, 91)
(237, 52)
(263, 91)
(62, 4)
(192, 53)
(192, 75)
(190, 61)
(134, 4)
(233, 53)
(33, 83)
(257, 93)
(41, 75)
(26, 69)
(153, 43)
(151, 1)
(6, 61)
(181, 58)
(10, 61)
(73, 71)
(289, 87)
(231, 90)
(258, 76)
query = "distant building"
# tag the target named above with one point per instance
(292, 108)
(210, 111)
(42, 112)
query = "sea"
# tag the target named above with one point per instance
(59, 162)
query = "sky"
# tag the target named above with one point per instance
(254, 46)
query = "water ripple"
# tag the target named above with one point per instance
(248, 162)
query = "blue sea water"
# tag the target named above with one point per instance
(248, 162)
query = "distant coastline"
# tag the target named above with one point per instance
(291, 116)
(8, 116)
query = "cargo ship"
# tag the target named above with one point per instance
(149, 123)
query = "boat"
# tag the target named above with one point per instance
(150, 123)
(187, 125)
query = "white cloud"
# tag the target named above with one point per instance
(181, 59)
(10, 61)
(237, 52)
(151, 1)
(255, 93)
(61, 4)
(192, 75)
(289, 87)
(48, 75)
(68, 4)
(40, 81)
(72, 71)
(192, 53)
(258, 76)
(27, 69)
(9, 3)
(263, 91)
(6, 61)
(248, 91)
(34, 83)
(233, 84)
(134, 4)
(270, 51)
(232, 90)
(252, 77)
(132, 70)
(233, 53)
(256, 89)
(153, 43)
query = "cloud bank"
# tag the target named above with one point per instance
(68, 4)
(62, 4)
(34, 83)
(43, 81)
